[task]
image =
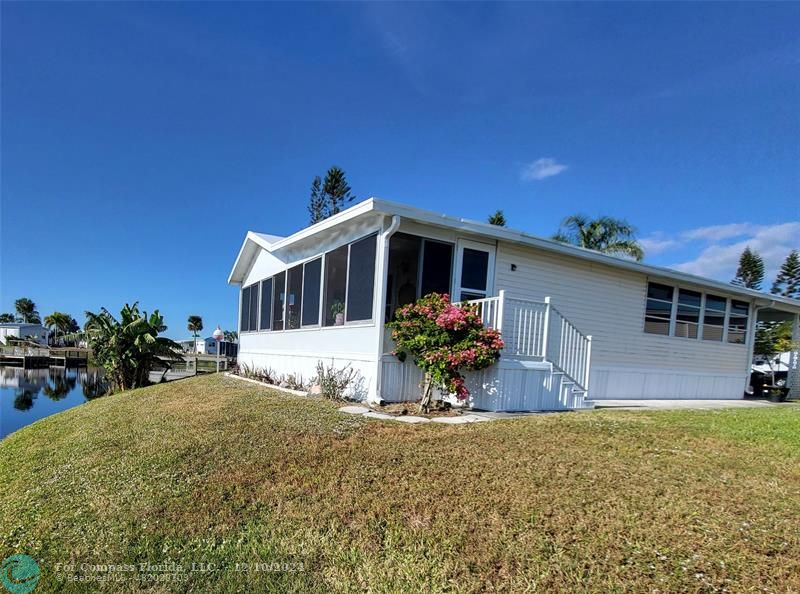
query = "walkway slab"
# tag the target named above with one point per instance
(475, 419)
(411, 419)
(354, 410)
(377, 415)
(680, 404)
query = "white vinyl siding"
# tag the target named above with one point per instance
(609, 304)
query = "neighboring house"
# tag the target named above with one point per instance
(579, 326)
(208, 346)
(33, 332)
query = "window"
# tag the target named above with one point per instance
(252, 324)
(474, 269)
(294, 297)
(659, 309)
(361, 279)
(687, 320)
(312, 275)
(737, 324)
(266, 304)
(278, 298)
(335, 286)
(437, 263)
(714, 318)
(244, 320)
(692, 309)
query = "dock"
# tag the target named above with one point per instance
(43, 356)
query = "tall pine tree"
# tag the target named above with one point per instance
(750, 273)
(316, 205)
(336, 190)
(787, 283)
(330, 196)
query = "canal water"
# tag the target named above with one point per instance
(27, 395)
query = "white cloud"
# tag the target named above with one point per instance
(542, 168)
(657, 244)
(721, 245)
(719, 232)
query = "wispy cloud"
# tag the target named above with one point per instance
(719, 247)
(542, 168)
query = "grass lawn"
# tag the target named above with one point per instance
(225, 474)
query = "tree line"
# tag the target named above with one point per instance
(750, 274)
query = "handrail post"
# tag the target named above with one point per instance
(588, 362)
(545, 327)
(500, 310)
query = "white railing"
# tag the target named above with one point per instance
(490, 311)
(537, 330)
(569, 349)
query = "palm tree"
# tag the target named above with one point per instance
(130, 347)
(7, 318)
(195, 325)
(59, 321)
(230, 335)
(604, 234)
(26, 311)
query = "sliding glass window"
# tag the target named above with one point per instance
(659, 309)
(266, 305)
(361, 279)
(714, 318)
(737, 324)
(688, 316)
(294, 298)
(278, 298)
(244, 317)
(312, 275)
(335, 286)
(253, 308)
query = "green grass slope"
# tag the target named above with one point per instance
(230, 487)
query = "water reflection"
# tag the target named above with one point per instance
(20, 391)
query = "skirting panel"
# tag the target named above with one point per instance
(306, 366)
(509, 385)
(633, 383)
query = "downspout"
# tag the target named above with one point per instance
(751, 340)
(385, 237)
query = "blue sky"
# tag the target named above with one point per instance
(141, 141)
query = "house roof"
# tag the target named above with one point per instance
(380, 206)
(19, 324)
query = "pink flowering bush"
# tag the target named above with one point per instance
(444, 339)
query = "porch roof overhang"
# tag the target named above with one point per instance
(389, 208)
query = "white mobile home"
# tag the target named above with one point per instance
(579, 326)
(23, 330)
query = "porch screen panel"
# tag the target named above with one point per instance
(253, 325)
(714, 318)
(266, 305)
(311, 289)
(335, 285)
(737, 324)
(688, 318)
(437, 264)
(278, 298)
(244, 314)
(659, 309)
(294, 297)
(361, 279)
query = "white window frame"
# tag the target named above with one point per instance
(371, 319)
(462, 244)
(321, 259)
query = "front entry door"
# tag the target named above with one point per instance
(474, 278)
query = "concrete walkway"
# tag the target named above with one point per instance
(372, 414)
(681, 404)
